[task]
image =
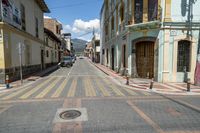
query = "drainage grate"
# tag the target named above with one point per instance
(70, 114)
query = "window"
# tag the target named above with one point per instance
(117, 18)
(57, 29)
(55, 54)
(106, 29)
(23, 17)
(107, 56)
(138, 11)
(122, 13)
(183, 62)
(46, 41)
(103, 51)
(47, 53)
(112, 23)
(152, 10)
(36, 27)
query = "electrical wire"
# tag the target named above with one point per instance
(75, 4)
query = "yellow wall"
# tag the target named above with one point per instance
(2, 62)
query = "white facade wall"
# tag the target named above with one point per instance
(178, 10)
(34, 47)
(32, 11)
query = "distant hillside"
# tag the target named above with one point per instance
(79, 45)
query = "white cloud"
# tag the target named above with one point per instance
(66, 28)
(47, 17)
(80, 27)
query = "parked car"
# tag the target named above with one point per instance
(66, 62)
(73, 59)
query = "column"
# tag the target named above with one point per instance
(167, 17)
(133, 10)
(145, 11)
(166, 56)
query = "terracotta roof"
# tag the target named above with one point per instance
(43, 6)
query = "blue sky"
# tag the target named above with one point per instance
(77, 16)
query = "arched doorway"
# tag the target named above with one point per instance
(145, 59)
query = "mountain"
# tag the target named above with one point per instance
(79, 45)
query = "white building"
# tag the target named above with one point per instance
(21, 23)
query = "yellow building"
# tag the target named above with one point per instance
(21, 23)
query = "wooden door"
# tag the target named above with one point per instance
(145, 59)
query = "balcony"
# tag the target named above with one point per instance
(9, 16)
(144, 26)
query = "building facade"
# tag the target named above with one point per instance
(151, 38)
(88, 50)
(52, 48)
(21, 32)
(96, 49)
(67, 38)
(53, 25)
(53, 41)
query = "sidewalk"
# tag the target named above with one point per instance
(144, 84)
(27, 80)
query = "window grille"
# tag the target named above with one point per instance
(183, 62)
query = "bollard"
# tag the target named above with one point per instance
(7, 82)
(127, 80)
(151, 84)
(188, 85)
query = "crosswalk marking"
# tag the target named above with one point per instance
(130, 91)
(48, 89)
(102, 88)
(72, 88)
(86, 87)
(89, 91)
(32, 91)
(1, 94)
(91, 88)
(60, 89)
(15, 93)
(117, 91)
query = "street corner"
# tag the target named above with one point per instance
(176, 89)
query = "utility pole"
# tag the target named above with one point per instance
(20, 62)
(190, 16)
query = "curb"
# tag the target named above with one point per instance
(41, 74)
(140, 88)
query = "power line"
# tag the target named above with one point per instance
(74, 4)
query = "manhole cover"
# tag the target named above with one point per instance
(70, 114)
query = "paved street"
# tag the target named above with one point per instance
(109, 106)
